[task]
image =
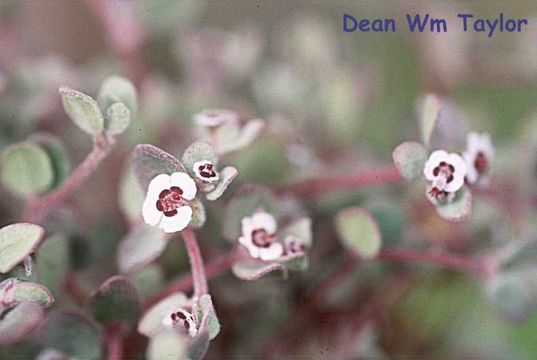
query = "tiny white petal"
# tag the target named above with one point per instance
(150, 213)
(266, 221)
(159, 183)
(250, 246)
(432, 162)
(178, 222)
(471, 173)
(460, 172)
(274, 251)
(247, 227)
(186, 184)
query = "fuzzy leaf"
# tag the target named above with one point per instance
(198, 151)
(253, 270)
(16, 242)
(459, 209)
(53, 261)
(83, 110)
(428, 115)
(230, 138)
(19, 322)
(300, 229)
(226, 177)
(131, 197)
(118, 89)
(73, 334)
(151, 322)
(248, 200)
(167, 345)
(116, 301)
(297, 262)
(198, 214)
(26, 291)
(358, 232)
(514, 293)
(140, 247)
(198, 346)
(26, 169)
(409, 159)
(57, 153)
(117, 118)
(208, 315)
(150, 161)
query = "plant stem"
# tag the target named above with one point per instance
(196, 263)
(38, 209)
(114, 340)
(343, 182)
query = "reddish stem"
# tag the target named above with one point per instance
(185, 283)
(38, 209)
(343, 182)
(196, 263)
(114, 340)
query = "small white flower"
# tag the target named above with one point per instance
(446, 172)
(167, 203)
(181, 320)
(205, 172)
(293, 245)
(259, 236)
(215, 118)
(478, 156)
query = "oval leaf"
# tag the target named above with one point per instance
(131, 197)
(118, 89)
(26, 169)
(226, 177)
(57, 153)
(83, 110)
(16, 242)
(459, 209)
(26, 291)
(409, 159)
(19, 322)
(117, 118)
(198, 151)
(140, 247)
(428, 115)
(167, 345)
(209, 320)
(151, 322)
(53, 261)
(150, 161)
(359, 232)
(116, 301)
(252, 270)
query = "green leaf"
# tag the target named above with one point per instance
(230, 138)
(19, 322)
(83, 110)
(16, 242)
(209, 320)
(131, 197)
(409, 159)
(297, 262)
(358, 232)
(57, 153)
(140, 247)
(167, 345)
(198, 213)
(226, 177)
(459, 209)
(150, 161)
(253, 270)
(117, 118)
(249, 199)
(428, 115)
(73, 334)
(198, 346)
(116, 301)
(198, 151)
(300, 229)
(149, 280)
(151, 322)
(118, 89)
(26, 169)
(514, 293)
(26, 291)
(53, 261)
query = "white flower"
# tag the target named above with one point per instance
(214, 118)
(259, 236)
(205, 172)
(478, 156)
(181, 320)
(167, 203)
(293, 245)
(445, 171)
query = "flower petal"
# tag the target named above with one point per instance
(186, 184)
(177, 222)
(274, 251)
(434, 159)
(159, 183)
(249, 245)
(471, 173)
(247, 227)
(263, 220)
(150, 213)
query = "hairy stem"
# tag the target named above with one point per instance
(343, 182)
(114, 340)
(196, 263)
(37, 209)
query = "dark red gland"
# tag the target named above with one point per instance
(207, 171)
(446, 169)
(481, 163)
(261, 238)
(169, 200)
(181, 316)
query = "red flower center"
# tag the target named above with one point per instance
(207, 171)
(261, 238)
(445, 169)
(481, 163)
(170, 200)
